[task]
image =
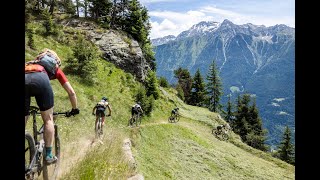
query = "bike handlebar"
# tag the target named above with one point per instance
(66, 114)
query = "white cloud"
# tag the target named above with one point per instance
(155, 1)
(239, 18)
(174, 23)
(181, 21)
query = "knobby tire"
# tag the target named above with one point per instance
(177, 118)
(99, 128)
(30, 150)
(225, 136)
(138, 120)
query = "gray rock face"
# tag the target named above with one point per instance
(117, 48)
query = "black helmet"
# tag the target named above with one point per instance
(104, 98)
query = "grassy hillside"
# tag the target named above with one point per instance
(184, 150)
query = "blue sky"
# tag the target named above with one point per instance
(171, 17)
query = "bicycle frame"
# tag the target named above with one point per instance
(37, 144)
(36, 165)
(135, 120)
(221, 134)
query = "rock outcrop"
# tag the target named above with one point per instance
(117, 47)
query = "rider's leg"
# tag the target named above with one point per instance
(95, 123)
(39, 86)
(102, 120)
(132, 112)
(48, 135)
(102, 123)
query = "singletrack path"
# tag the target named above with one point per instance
(72, 153)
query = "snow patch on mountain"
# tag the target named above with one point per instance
(279, 99)
(267, 38)
(275, 104)
(283, 113)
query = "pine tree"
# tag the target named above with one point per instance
(213, 88)
(258, 140)
(185, 82)
(30, 33)
(229, 113)
(151, 85)
(286, 148)
(248, 123)
(142, 98)
(180, 92)
(163, 82)
(198, 90)
(101, 9)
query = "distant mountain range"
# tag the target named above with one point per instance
(251, 58)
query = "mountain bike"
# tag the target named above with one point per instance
(174, 118)
(35, 163)
(221, 134)
(98, 128)
(135, 120)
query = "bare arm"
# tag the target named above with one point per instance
(72, 95)
(94, 108)
(109, 107)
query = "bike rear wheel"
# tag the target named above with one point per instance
(30, 151)
(99, 131)
(50, 171)
(177, 118)
(170, 119)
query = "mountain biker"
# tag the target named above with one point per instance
(37, 84)
(174, 111)
(100, 108)
(136, 109)
(219, 128)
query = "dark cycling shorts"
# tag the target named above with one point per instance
(38, 85)
(134, 111)
(100, 112)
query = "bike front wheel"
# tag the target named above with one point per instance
(177, 118)
(30, 150)
(138, 121)
(50, 171)
(213, 131)
(225, 136)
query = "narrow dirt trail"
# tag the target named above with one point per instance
(73, 152)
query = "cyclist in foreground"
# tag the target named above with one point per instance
(38, 74)
(100, 108)
(136, 109)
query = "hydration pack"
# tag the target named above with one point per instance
(46, 61)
